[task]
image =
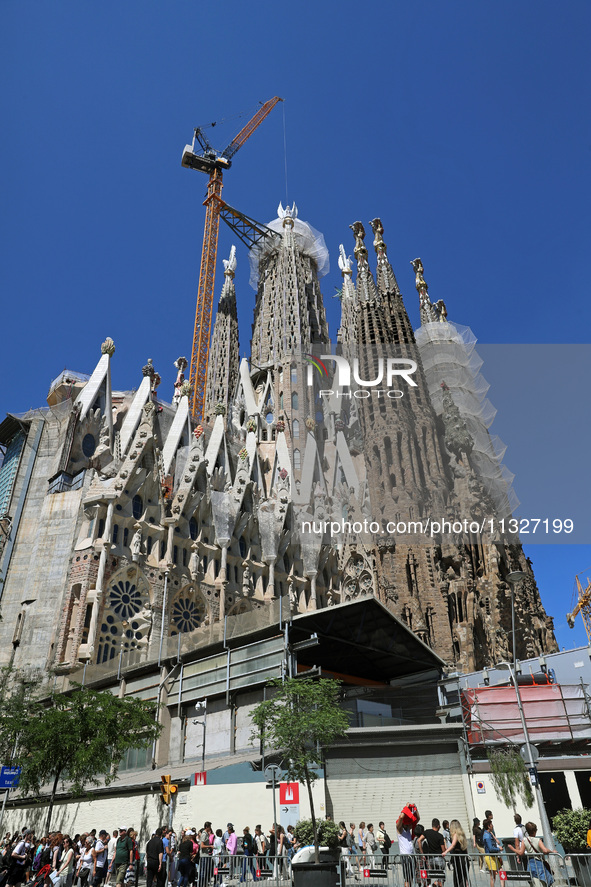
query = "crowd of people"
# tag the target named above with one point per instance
(201, 857)
(190, 858)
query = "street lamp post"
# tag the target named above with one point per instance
(514, 580)
(545, 822)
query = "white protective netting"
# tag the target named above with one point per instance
(448, 353)
(309, 241)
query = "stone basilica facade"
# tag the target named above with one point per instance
(126, 529)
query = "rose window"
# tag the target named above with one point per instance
(125, 599)
(186, 615)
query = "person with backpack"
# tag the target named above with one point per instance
(123, 861)
(248, 849)
(384, 842)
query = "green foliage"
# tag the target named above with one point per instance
(570, 828)
(302, 714)
(79, 736)
(510, 777)
(328, 833)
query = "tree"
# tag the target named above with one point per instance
(510, 777)
(79, 736)
(302, 715)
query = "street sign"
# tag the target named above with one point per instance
(480, 787)
(533, 775)
(200, 778)
(289, 793)
(534, 753)
(9, 777)
(273, 772)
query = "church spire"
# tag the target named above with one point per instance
(289, 311)
(347, 333)
(366, 287)
(222, 374)
(430, 313)
(385, 277)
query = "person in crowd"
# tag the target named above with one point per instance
(343, 834)
(99, 858)
(123, 859)
(352, 845)
(445, 832)
(492, 850)
(184, 864)
(488, 815)
(218, 849)
(458, 851)
(231, 845)
(405, 847)
(477, 842)
(154, 858)
(282, 866)
(85, 862)
(18, 860)
(533, 850)
(261, 847)
(271, 847)
(371, 845)
(384, 843)
(205, 855)
(249, 850)
(111, 854)
(66, 866)
(434, 845)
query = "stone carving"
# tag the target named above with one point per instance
(108, 347)
(148, 369)
(457, 437)
(181, 365)
(378, 243)
(290, 212)
(230, 264)
(136, 543)
(344, 261)
(360, 250)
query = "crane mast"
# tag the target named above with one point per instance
(209, 161)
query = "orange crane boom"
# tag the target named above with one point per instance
(211, 162)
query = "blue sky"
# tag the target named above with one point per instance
(464, 125)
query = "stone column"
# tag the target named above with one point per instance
(86, 650)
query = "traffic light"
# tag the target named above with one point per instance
(167, 789)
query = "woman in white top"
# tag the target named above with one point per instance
(86, 864)
(371, 844)
(66, 867)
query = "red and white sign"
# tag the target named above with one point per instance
(366, 873)
(502, 875)
(200, 778)
(424, 874)
(289, 793)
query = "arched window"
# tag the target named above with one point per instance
(236, 574)
(125, 536)
(193, 528)
(295, 428)
(137, 507)
(175, 554)
(184, 557)
(294, 376)
(242, 546)
(216, 568)
(294, 400)
(296, 460)
(205, 563)
(101, 527)
(162, 549)
(115, 533)
(149, 545)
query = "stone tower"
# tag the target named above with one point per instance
(224, 353)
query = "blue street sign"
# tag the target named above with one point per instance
(9, 777)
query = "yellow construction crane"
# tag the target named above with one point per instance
(583, 607)
(212, 163)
